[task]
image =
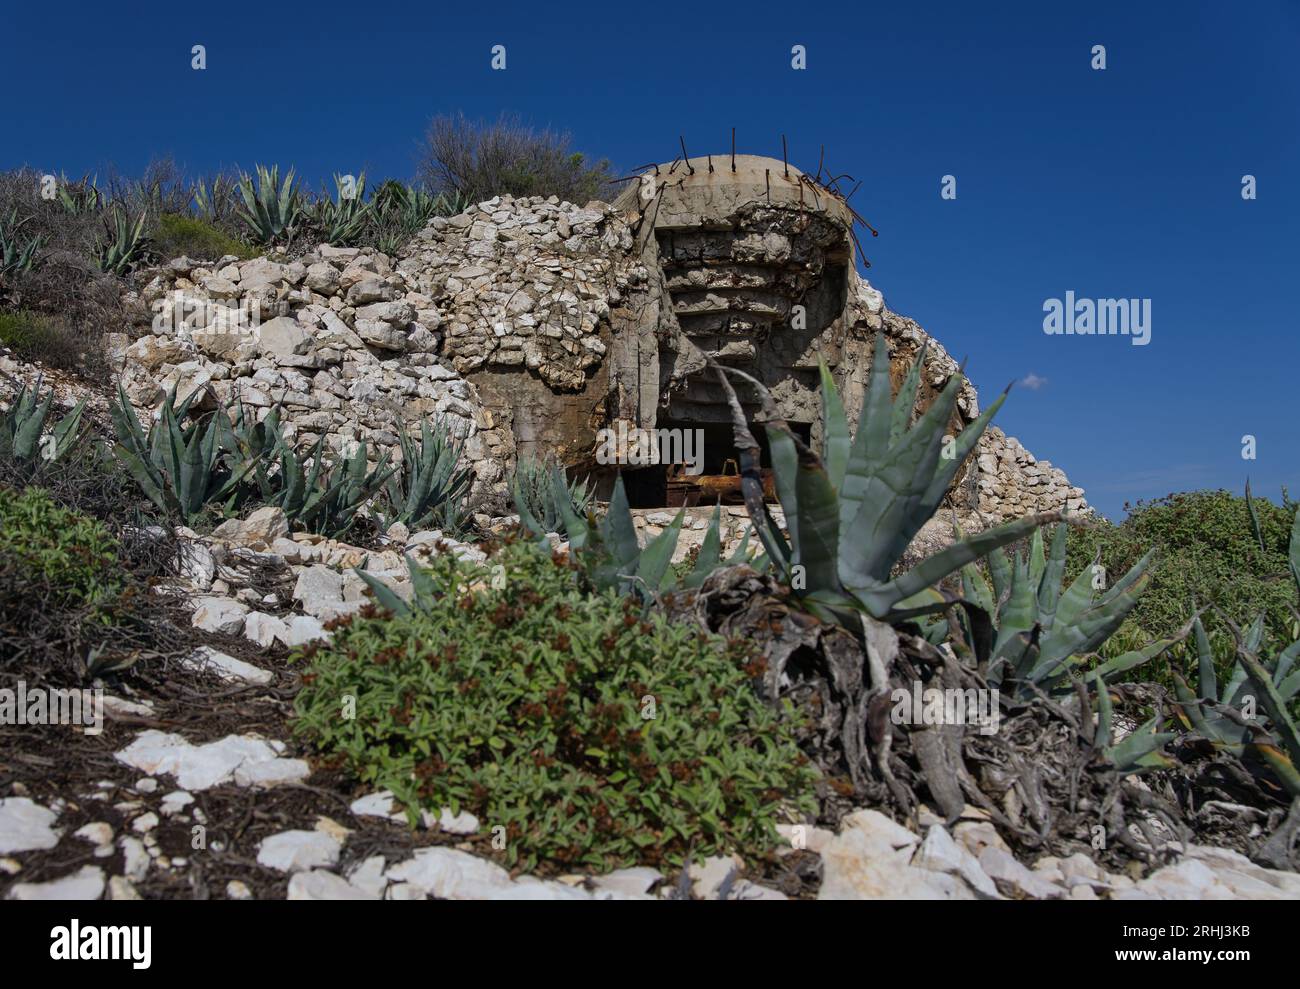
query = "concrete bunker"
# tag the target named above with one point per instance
(753, 263)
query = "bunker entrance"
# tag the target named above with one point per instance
(710, 473)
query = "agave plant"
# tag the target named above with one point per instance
(710, 559)
(343, 219)
(214, 200)
(81, 197)
(1226, 717)
(125, 243)
(323, 498)
(413, 206)
(273, 209)
(390, 242)
(852, 511)
(1140, 749)
(17, 254)
(430, 486)
(22, 428)
(402, 211)
(254, 450)
(533, 487)
(642, 563)
(611, 554)
(389, 197)
(179, 468)
(1044, 634)
(311, 492)
(155, 194)
(1275, 690)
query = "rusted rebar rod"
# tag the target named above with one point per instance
(685, 157)
(834, 183)
(856, 243)
(812, 187)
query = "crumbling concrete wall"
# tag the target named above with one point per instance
(759, 273)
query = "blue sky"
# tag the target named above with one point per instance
(1117, 183)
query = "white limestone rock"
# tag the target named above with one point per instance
(198, 767)
(26, 826)
(219, 614)
(294, 851)
(320, 884)
(228, 668)
(87, 883)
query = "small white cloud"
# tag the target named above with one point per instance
(1033, 381)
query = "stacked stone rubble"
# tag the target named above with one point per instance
(1013, 483)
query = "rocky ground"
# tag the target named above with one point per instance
(196, 788)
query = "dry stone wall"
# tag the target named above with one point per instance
(1013, 483)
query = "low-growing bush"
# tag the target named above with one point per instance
(53, 557)
(74, 599)
(51, 341)
(476, 160)
(69, 288)
(176, 235)
(1205, 549)
(593, 735)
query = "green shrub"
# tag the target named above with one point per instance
(1205, 549)
(51, 341)
(53, 557)
(177, 235)
(594, 736)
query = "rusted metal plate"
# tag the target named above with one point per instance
(687, 490)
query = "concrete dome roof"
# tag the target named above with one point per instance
(701, 198)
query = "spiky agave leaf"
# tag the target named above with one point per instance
(1043, 632)
(709, 558)
(272, 209)
(429, 483)
(125, 243)
(1224, 723)
(337, 495)
(343, 218)
(179, 468)
(1140, 750)
(1283, 725)
(610, 550)
(17, 255)
(22, 427)
(534, 492)
(846, 539)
